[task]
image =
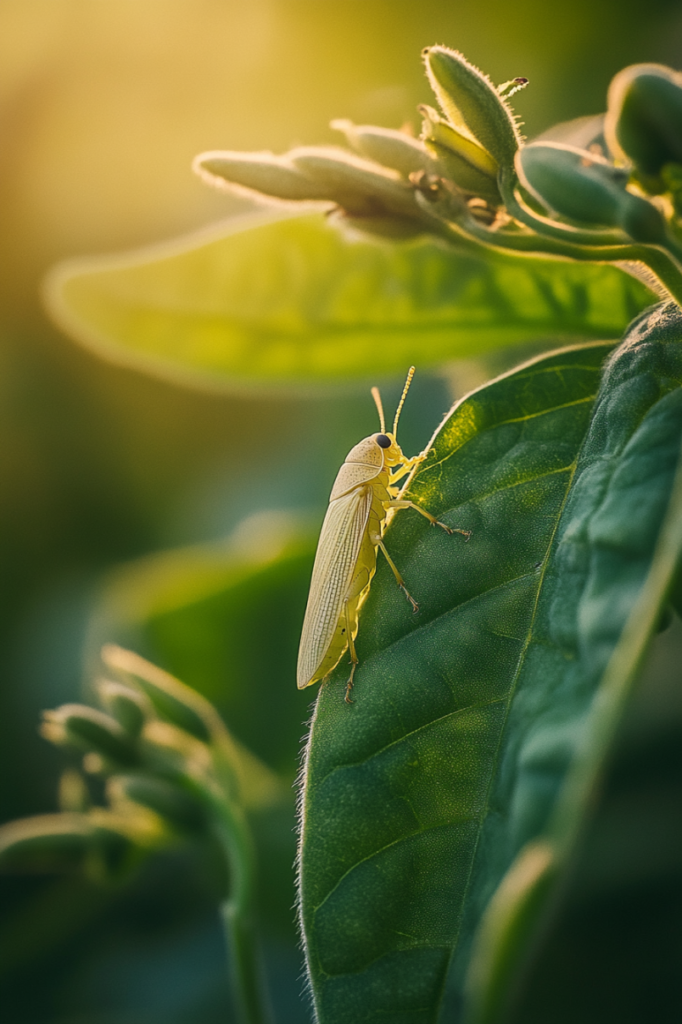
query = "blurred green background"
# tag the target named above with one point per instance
(103, 104)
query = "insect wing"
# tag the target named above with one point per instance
(337, 554)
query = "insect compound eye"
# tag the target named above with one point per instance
(383, 441)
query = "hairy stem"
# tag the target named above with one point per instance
(237, 911)
(238, 914)
(661, 263)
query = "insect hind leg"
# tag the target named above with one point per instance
(398, 578)
(353, 656)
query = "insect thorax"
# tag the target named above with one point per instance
(363, 464)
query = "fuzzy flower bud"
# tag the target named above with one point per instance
(459, 157)
(270, 175)
(85, 728)
(472, 104)
(385, 146)
(586, 188)
(644, 119)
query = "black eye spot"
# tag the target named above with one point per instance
(383, 441)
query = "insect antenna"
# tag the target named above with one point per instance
(380, 409)
(410, 375)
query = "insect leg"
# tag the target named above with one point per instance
(398, 578)
(353, 655)
(432, 519)
(406, 467)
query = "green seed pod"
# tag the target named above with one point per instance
(435, 129)
(359, 187)
(170, 698)
(466, 177)
(460, 158)
(84, 728)
(47, 842)
(644, 119)
(181, 810)
(584, 187)
(270, 175)
(389, 148)
(312, 173)
(129, 707)
(572, 182)
(641, 220)
(172, 752)
(472, 104)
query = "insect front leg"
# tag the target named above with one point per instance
(406, 467)
(401, 503)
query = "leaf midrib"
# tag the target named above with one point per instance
(504, 423)
(324, 328)
(401, 739)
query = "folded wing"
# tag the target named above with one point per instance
(335, 562)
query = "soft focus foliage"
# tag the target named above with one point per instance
(277, 303)
(119, 488)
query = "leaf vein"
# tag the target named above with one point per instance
(389, 846)
(413, 732)
(503, 423)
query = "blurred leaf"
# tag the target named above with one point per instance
(418, 798)
(225, 617)
(276, 299)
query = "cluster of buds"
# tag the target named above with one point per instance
(638, 156)
(172, 773)
(169, 769)
(388, 182)
(471, 177)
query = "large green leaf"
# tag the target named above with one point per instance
(270, 300)
(601, 890)
(417, 799)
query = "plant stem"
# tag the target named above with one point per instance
(660, 262)
(237, 913)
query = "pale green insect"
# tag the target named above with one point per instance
(363, 492)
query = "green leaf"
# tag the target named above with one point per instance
(274, 300)
(597, 890)
(418, 798)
